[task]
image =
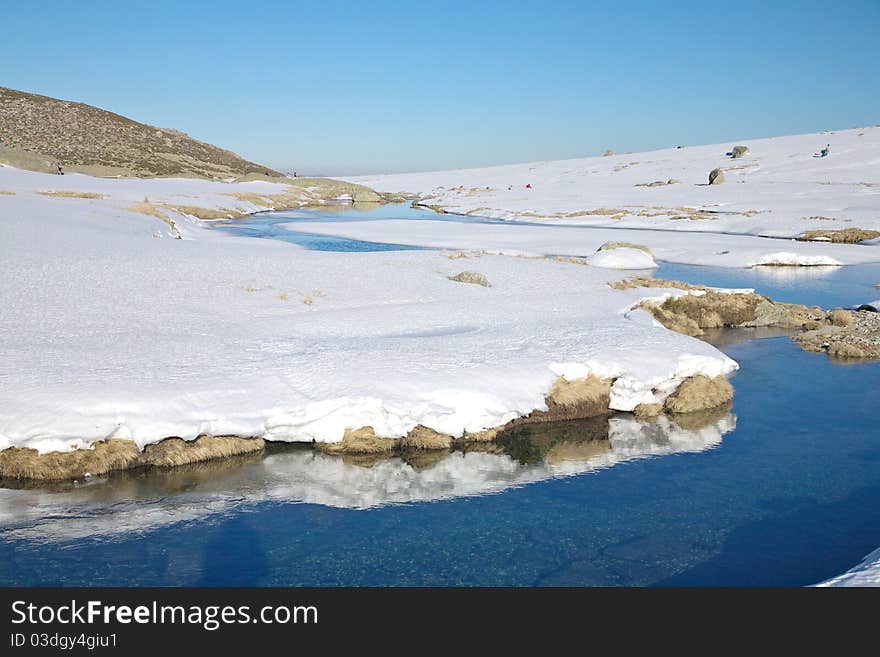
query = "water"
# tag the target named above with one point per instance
(784, 489)
(272, 226)
(828, 287)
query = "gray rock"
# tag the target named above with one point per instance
(475, 278)
(716, 177)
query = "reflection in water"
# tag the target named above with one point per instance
(141, 501)
(799, 274)
(828, 287)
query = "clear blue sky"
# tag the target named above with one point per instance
(349, 87)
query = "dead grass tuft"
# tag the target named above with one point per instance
(66, 194)
(699, 393)
(841, 236)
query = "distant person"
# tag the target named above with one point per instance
(294, 174)
(824, 152)
(528, 185)
(60, 172)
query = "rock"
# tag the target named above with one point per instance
(867, 307)
(716, 176)
(738, 151)
(699, 393)
(472, 277)
(608, 153)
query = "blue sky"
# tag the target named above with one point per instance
(342, 87)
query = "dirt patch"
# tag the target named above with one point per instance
(4, 192)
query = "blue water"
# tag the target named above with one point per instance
(828, 287)
(272, 226)
(790, 496)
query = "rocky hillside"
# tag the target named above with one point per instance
(39, 133)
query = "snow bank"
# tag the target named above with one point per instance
(789, 259)
(110, 332)
(622, 258)
(867, 573)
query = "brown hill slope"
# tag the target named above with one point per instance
(39, 133)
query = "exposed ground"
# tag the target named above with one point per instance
(40, 133)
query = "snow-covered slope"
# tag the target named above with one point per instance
(109, 330)
(779, 188)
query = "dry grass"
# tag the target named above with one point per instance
(699, 393)
(4, 192)
(116, 454)
(573, 400)
(644, 411)
(103, 457)
(644, 281)
(174, 451)
(360, 441)
(155, 210)
(608, 246)
(422, 437)
(66, 194)
(841, 236)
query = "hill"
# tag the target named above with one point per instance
(40, 133)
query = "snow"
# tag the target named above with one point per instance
(787, 258)
(867, 573)
(778, 189)
(109, 328)
(622, 258)
(537, 240)
(110, 331)
(312, 477)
